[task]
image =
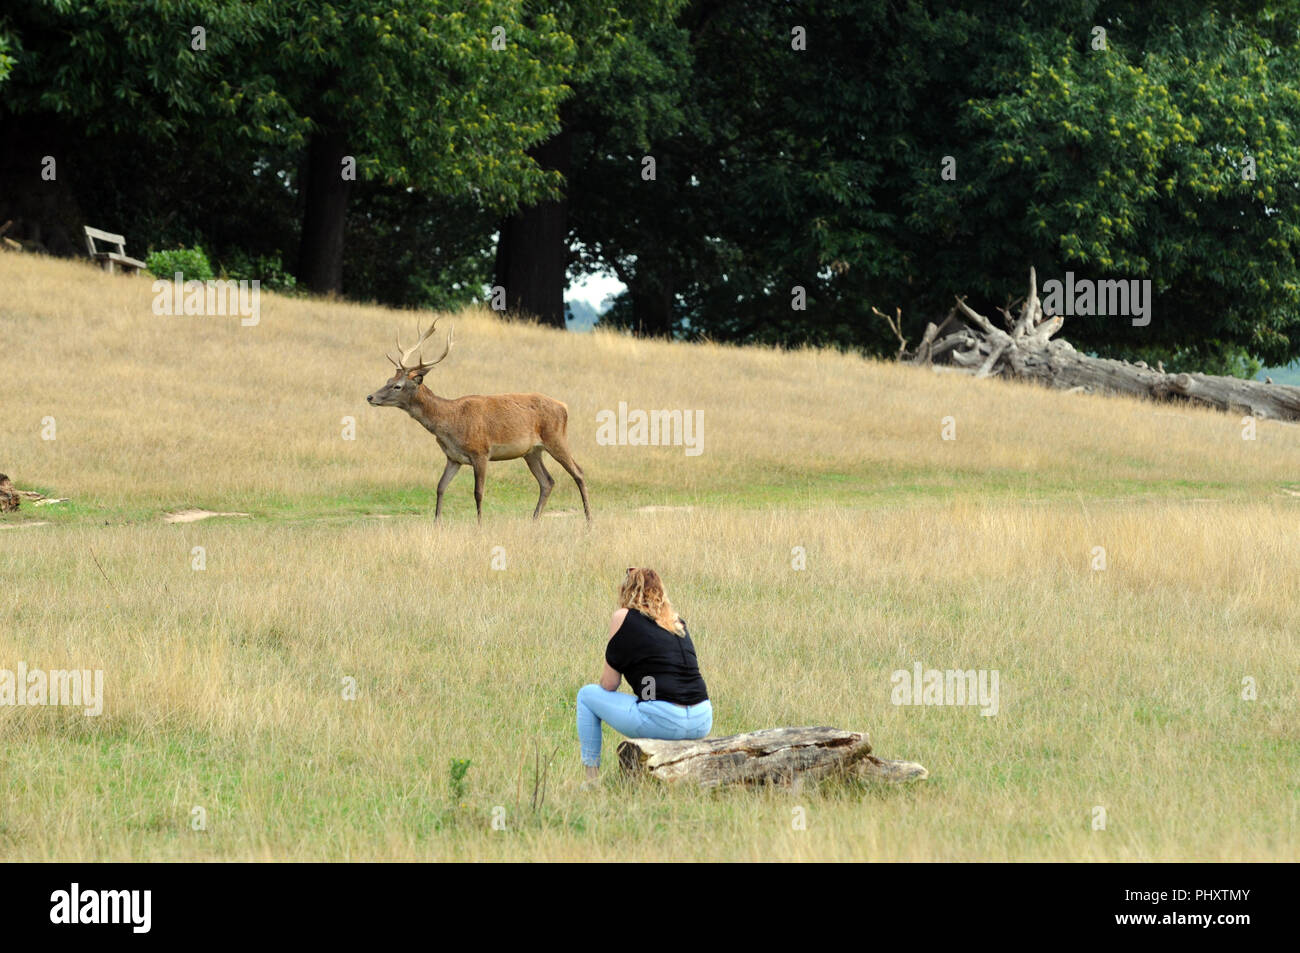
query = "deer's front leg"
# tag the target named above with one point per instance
(448, 475)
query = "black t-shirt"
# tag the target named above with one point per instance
(642, 650)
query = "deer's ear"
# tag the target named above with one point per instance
(418, 379)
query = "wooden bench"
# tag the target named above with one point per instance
(115, 259)
(6, 243)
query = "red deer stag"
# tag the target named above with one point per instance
(473, 430)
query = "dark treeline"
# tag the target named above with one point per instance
(752, 171)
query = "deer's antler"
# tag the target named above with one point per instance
(445, 351)
(403, 365)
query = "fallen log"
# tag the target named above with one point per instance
(1026, 351)
(767, 756)
(9, 498)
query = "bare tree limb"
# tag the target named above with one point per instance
(1030, 352)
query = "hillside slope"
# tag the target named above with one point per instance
(172, 409)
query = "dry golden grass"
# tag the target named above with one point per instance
(1120, 688)
(161, 410)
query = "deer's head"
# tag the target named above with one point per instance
(401, 387)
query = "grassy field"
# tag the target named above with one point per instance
(1120, 688)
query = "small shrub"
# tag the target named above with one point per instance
(456, 779)
(268, 269)
(192, 263)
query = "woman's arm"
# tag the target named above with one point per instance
(609, 678)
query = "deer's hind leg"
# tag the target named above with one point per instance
(560, 451)
(480, 477)
(545, 481)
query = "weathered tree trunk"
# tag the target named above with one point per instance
(532, 248)
(320, 253)
(652, 301)
(768, 756)
(1025, 351)
(45, 215)
(9, 498)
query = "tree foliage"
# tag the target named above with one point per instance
(1112, 138)
(821, 169)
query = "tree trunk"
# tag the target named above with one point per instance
(768, 756)
(532, 248)
(652, 300)
(1026, 351)
(320, 254)
(45, 215)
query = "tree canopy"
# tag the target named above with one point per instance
(751, 171)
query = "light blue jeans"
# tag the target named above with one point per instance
(636, 719)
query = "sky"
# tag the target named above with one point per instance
(593, 289)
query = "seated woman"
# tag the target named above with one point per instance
(650, 647)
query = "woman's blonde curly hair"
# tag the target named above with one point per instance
(643, 591)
